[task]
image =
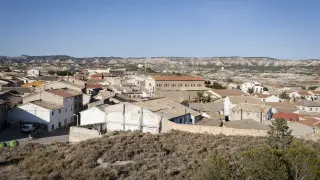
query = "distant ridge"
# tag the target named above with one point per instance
(218, 61)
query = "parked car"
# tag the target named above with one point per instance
(27, 128)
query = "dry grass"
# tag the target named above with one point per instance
(175, 155)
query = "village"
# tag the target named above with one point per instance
(48, 107)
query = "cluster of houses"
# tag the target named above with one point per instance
(114, 99)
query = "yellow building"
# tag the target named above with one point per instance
(34, 84)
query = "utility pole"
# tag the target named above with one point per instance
(123, 117)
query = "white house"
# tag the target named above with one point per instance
(300, 95)
(33, 72)
(266, 98)
(308, 106)
(257, 112)
(122, 117)
(40, 111)
(231, 101)
(257, 87)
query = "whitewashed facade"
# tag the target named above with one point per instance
(53, 118)
(122, 117)
(33, 72)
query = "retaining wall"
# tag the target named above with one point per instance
(78, 134)
(214, 130)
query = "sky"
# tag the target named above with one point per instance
(286, 29)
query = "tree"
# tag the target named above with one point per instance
(312, 87)
(202, 98)
(216, 168)
(207, 82)
(229, 80)
(250, 90)
(279, 135)
(51, 72)
(284, 95)
(216, 85)
(265, 89)
(264, 163)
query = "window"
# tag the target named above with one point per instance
(52, 127)
(71, 108)
(59, 110)
(199, 85)
(52, 113)
(310, 109)
(59, 124)
(248, 113)
(180, 85)
(172, 85)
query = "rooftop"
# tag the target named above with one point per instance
(246, 124)
(286, 116)
(245, 99)
(282, 104)
(248, 107)
(46, 104)
(178, 78)
(65, 92)
(307, 103)
(166, 107)
(207, 107)
(229, 92)
(303, 93)
(259, 95)
(34, 84)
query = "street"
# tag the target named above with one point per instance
(58, 135)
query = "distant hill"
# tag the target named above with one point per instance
(218, 61)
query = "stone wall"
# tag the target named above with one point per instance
(78, 134)
(213, 130)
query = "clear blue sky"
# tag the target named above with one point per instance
(288, 29)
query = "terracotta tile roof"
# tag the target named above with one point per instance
(309, 121)
(303, 93)
(286, 116)
(315, 92)
(178, 78)
(60, 92)
(229, 92)
(259, 95)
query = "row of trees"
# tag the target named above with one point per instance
(283, 157)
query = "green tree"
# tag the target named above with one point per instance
(250, 90)
(284, 95)
(264, 163)
(312, 87)
(303, 161)
(279, 135)
(216, 85)
(216, 168)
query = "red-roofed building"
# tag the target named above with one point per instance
(100, 76)
(286, 116)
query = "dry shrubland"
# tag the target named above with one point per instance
(174, 155)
